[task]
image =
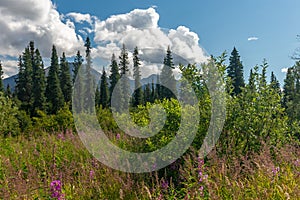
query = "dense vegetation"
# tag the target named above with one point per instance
(42, 157)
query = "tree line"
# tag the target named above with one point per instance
(35, 91)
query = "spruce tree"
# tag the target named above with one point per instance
(78, 60)
(1, 76)
(235, 72)
(39, 83)
(20, 81)
(288, 88)
(124, 72)
(104, 92)
(167, 78)
(275, 85)
(158, 88)
(97, 96)
(54, 94)
(78, 83)
(8, 91)
(147, 94)
(28, 81)
(89, 94)
(138, 93)
(251, 82)
(65, 79)
(114, 78)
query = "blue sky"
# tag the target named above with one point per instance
(220, 25)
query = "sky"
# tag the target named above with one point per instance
(193, 29)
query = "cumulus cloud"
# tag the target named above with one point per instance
(38, 20)
(10, 67)
(253, 38)
(80, 18)
(140, 28)
(284, 70)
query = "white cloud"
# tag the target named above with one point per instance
(38, 20)
(140, 28)
(284, 70)
(253, 38)
(80, 18)
(10, 67)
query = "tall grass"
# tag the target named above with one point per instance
(29, 166)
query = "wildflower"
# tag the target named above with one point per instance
(61, 136)
(164, 185)
(276, 171)
(297, 163)
(56, 190)
(92, 174)
(118, 136)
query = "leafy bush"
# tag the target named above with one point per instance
(9, 124)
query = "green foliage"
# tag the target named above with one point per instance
(89, 85)
(79, 83)
(54, 94)
(124, 72)
(235, 72)
(8, 117)
(65, 79)
(167, 79)
(61, 121)
(253, 118)
(138, 93)
(39, 84)
(104, 92)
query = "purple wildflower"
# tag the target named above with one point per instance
(164, 185)
(118, 136)
(92, 174)
(276, 171)
(55, 188)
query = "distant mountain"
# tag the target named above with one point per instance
(11, 81)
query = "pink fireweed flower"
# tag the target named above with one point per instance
(92, 174)
(276, 171)
(56, 190)
(118, 136)
(165, 185)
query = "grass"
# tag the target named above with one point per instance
(28, 165)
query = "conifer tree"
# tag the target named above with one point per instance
(54, 94)
(114, 78)
(124, 72)
(251, 82)
(20, 81)
(104, 92)
(8, 91)
(39, 83)
(1, 76)
(89, 94)
(97, 96)
(65, 79)
(153, 91)
(167, 78)
(275, 85)
(78, 60)
(147, 93)
(78, 82)
(158, 88)
(235, 72)
(288, 88)
(138, 94)
(28, 81)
